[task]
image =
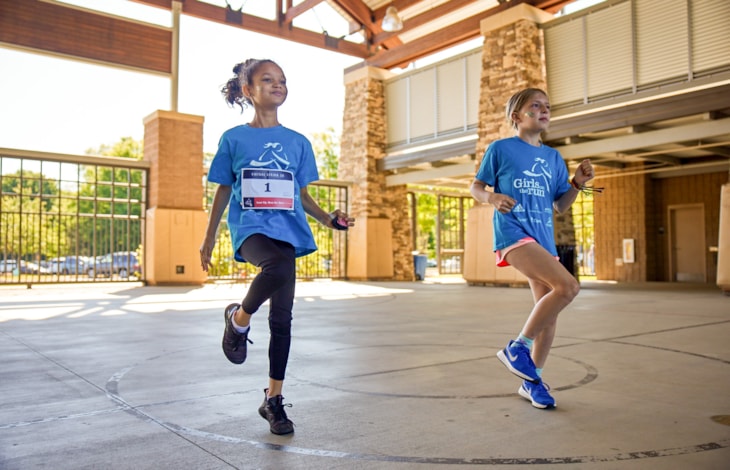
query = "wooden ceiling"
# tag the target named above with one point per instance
(429, 25)
(57, 27)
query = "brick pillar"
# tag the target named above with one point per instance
(513, 58)
(173, 144)
(379, 246)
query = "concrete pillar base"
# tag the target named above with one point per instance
(479, 259)
(371, 254)
(172, 241)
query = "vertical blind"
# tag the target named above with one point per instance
(621, 47)
(435, 101)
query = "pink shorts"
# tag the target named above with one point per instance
(503, 252)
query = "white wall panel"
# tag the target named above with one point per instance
(473, 88)
(451, 96)
(564, 57)
(422, 104)
(710, 34)
(435, 101)
(661, 40)
(609, 50)
(396, 109)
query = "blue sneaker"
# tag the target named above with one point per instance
(516, 357)
(538, 394)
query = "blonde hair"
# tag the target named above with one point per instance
(518, 100)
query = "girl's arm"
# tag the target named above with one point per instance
(220, 202)
(319, 214)
(481, 194)
(583, 174)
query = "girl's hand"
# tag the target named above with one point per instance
(501, 202)
(206, 252)
(584, 172)
(340, 221)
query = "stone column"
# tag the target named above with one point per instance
(379, 246)
(175, 219)
(513, 58)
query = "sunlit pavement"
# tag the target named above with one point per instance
(381, 375)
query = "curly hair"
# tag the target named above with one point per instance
(243, 72)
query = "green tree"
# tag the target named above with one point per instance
(426, 217)
(127, 147)
(326, 146)
(112, 200)
(27, 198)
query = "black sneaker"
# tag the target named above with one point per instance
(272, 410)
(234, 343)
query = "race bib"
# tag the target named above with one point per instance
(267, 189)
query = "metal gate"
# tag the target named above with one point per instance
(439, 228)
(452, 232)
(328, 262)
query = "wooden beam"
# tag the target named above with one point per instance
(358, 11)
(207, 11)
(551, 6)
(462, 31)
(166, 4)
(83, 34)
(297, 10)
(367, 19)
(418, 20)
(393, 54)
(436, 41)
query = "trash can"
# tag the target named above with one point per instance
(419, 266)
(566, 253)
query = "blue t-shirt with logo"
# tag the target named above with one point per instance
(286, 158)
(533, 176)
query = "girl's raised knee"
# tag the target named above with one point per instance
(569, 290)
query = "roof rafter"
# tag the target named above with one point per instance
(459, 32)
(418, 20)
(380, 48)
(296, 10)
(227, 16)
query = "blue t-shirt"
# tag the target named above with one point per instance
(534, 177)
(272, 148)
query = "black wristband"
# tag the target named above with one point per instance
(338, 225)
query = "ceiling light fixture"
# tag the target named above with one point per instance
(391, 20)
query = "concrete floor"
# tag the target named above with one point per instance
(381, 376)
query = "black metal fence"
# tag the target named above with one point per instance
(438, 219)
(70, 218)
(327, 262)
(74, 218)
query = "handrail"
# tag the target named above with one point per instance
(80, 159)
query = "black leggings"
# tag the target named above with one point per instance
(275, 283)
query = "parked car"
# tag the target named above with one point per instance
(121, 263)
(67, 265)
(8, 265)
(29, 267)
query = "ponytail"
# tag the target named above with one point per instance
(232, 91)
